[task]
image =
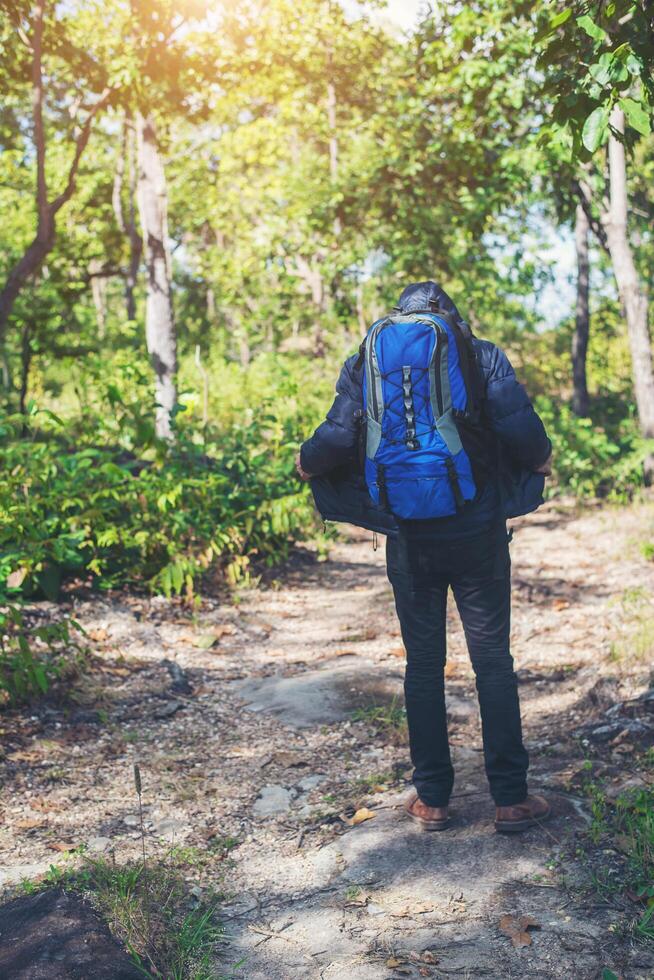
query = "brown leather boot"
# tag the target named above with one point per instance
(512, 819)
(427, 817)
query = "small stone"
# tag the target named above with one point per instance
(272, 799)
(98, 844)
(309, 782)
(168, 710)
(168, 827)
(131, 820)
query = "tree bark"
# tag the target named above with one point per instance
(25, 364)
(580, 401)
(99, 294)
(127, 221)
(36, 252)
(159, 322)
(632, 294)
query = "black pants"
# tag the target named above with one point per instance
(479, 571)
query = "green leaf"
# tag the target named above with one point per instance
(177, 577)
(561, 18)
(595, 128)
(593, 30)
(554, 22)
(636, 115)
(600, 73)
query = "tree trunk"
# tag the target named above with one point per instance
(99, 294)
(127, 222)
(159, 323)
(632, 294)
(135, 240)
(580, 401)
(25, 364)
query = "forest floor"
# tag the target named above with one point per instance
(262, 727)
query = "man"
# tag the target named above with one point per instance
(466, 550)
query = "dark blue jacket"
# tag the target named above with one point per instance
(332, 452)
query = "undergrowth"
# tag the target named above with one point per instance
(619, 848)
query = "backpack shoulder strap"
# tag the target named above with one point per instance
(470, 369)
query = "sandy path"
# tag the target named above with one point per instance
(264, 747)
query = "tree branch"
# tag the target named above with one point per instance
(119, 174)
(585, 197)
(80, 146)
(37, 109)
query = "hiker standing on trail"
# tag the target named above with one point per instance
(432, 440)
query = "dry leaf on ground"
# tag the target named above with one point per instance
(517, 929)
(359, 817)
(31, 824)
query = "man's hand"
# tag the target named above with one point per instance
(546, 468)
(300, 472)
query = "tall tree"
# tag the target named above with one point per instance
(580, 400)
(599, 60)
(47, 206)
(632, 293)
(159, 320)
(126, 216)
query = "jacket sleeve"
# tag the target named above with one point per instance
(335, 441)
(511, 414)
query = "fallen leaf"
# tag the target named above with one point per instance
(61, 846)
(97, 635)
(429, 957)
(41, 803)
(517, 928)
(393, 962)
(31, 824)
(419, 908)
(359, 817)
(397, 652)
(342, 653)
(363, 814)
(560, 604)
(21, 756)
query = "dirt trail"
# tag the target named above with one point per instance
(258, 739)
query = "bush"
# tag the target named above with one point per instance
(592, 459)
(95, 497)
(32, 657)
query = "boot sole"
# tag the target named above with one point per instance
(428, 824)
(517, 826)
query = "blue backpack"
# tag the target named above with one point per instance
(426, 450)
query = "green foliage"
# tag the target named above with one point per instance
(591, 459)
(96, 498)
(33, 657)
(628, 825)
(167, 932)
(597, 55)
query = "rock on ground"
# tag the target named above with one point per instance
(57, 936)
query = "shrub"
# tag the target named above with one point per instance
(591, 459)
(32, 657)
(98, 498)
